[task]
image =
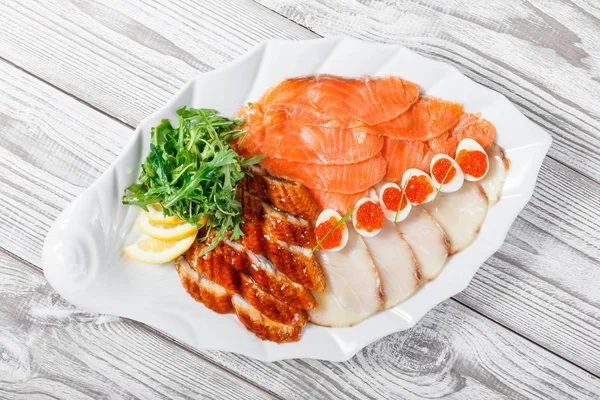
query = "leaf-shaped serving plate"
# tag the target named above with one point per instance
(83, 254)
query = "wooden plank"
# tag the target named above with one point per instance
(127, 58)
(59, 193)
(51, 348)
(48, 348)
(528, 274)
(34, 190)
(121, 58)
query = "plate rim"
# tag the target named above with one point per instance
(53, 238)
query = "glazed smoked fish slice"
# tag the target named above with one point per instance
(369, 101)
(269, 306)
(203, 290)
(297, 263)
(263, 327)
(217, 265)
(469, 126)
(348, 179)
(287, 228)
(314, 144)
(340, 202)
(353, 290)
(292, 197)
(397, 266)
(425, 120)
(269, 279)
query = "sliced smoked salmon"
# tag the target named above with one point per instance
(293, 140)
(370, 101)
(349, 178)
(340, 202)
(469, 126)
(425, 120)
(251, 144)
(401, 155)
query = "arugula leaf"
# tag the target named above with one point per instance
(193, 172)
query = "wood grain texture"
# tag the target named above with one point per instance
(36, 196)
(118, 57)
(536, 269)
(127, 59)
(48, 347)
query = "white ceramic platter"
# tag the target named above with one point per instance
(83, 253)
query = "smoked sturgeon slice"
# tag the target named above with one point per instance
(398, 269)
(429, 243)
(460, 214)
(353, 290)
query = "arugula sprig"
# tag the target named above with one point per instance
(193, 172)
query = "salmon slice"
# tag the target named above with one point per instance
(469, 126)
(269, 279)
(263, 327)
(349, 178)
(297, 141)
(369, 101)
(425, 120)
(402, 155)
(203, 290)
(342, 203)
(269, 305)
(251, 144)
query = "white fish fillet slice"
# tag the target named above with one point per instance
(396, 264)
(460, 214)
(493, 182)
(353, 290)
(429, 243)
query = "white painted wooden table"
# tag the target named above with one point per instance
(77, 76)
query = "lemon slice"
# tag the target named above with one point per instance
(155, 214)
(154, 251)
(164, 231)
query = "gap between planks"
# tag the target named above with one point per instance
(163, 335)
(196, 352)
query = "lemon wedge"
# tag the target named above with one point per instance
(155, 214)
(154, 251)
(164, 231)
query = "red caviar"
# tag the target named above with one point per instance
(472, 162)
(442, 167)
(418, 188)
(335, 238)
(369, 216)
(391, 198)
